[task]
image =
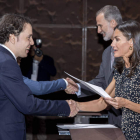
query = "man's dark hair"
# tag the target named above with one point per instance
(12, 24)
(110, 12)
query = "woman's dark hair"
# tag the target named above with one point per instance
(12, 24)
(131, 30)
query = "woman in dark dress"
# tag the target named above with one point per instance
(125, 86)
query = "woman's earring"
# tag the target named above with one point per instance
(130, 48)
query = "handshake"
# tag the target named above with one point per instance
(74, 109)
(71, 89)
(72, 86)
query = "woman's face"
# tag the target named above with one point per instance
(121, 45)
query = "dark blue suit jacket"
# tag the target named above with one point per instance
(16, 99)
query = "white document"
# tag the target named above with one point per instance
(94, 88)
(80, 126)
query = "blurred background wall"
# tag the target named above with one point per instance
(67, 29)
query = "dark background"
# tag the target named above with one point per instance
(67, 30)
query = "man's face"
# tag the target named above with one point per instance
(24, 41)
(104, 27)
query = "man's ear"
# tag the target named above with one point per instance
(12, 38)
(113, 23)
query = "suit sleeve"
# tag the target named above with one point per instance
(99, 80)
(12, 85)
(44, 87)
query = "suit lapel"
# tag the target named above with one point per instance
(109, 71)
(111, 74)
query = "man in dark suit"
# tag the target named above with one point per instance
(107, 19)
(16, 99)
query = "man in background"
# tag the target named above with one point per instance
(107, 19)
(36, 65)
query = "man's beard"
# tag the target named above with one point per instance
(108, 34)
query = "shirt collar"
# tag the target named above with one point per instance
(9, 51)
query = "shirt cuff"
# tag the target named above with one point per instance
(65, 82)
(78, 93)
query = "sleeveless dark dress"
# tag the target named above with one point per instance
(129, 88)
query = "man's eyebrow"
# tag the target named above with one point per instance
(99, 25)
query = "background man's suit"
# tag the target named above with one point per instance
(46, 68)
(16, 99)
(103, 79)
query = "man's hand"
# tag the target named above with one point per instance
(72, 87)
(73, 107)
(38, 58)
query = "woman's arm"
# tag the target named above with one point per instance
(132, 106)
(99, 104)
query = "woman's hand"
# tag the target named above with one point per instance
(117, 102)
